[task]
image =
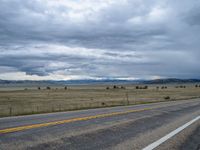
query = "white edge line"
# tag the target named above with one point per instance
(171, 134)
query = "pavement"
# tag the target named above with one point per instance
(173, 125)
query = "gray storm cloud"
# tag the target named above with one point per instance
(67, 39)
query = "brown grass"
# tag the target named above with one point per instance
(21, 102)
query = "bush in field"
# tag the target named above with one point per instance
(48, 88)
(39, 88)
(141, 87)
(164, 87)
(166, 97)
(182, 86)
(103, 104)
(65, 87)
(122, 87)
(115, 87)
(196, 86)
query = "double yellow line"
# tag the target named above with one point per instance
(26, 127)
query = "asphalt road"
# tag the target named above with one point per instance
(120, 128)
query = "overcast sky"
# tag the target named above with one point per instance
(95, 39)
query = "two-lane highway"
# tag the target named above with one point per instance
(166, 125)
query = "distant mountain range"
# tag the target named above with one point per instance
(106, 81)
(171, 80)
(64, 82)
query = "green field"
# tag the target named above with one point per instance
(21, 101)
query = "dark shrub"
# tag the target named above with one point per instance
(122, 87)
(114, 87)
(107, 88)
(102, 103)
(48, 87)
(166, 97)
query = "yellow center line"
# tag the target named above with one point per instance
(26, 127)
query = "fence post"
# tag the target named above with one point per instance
(52, 109)
(10, 111)
(127, 98)
(37, 109)
(59, 107)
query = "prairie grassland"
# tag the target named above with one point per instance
(31, 101)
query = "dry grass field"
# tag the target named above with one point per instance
(18, 101)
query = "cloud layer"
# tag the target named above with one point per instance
(67, 39)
